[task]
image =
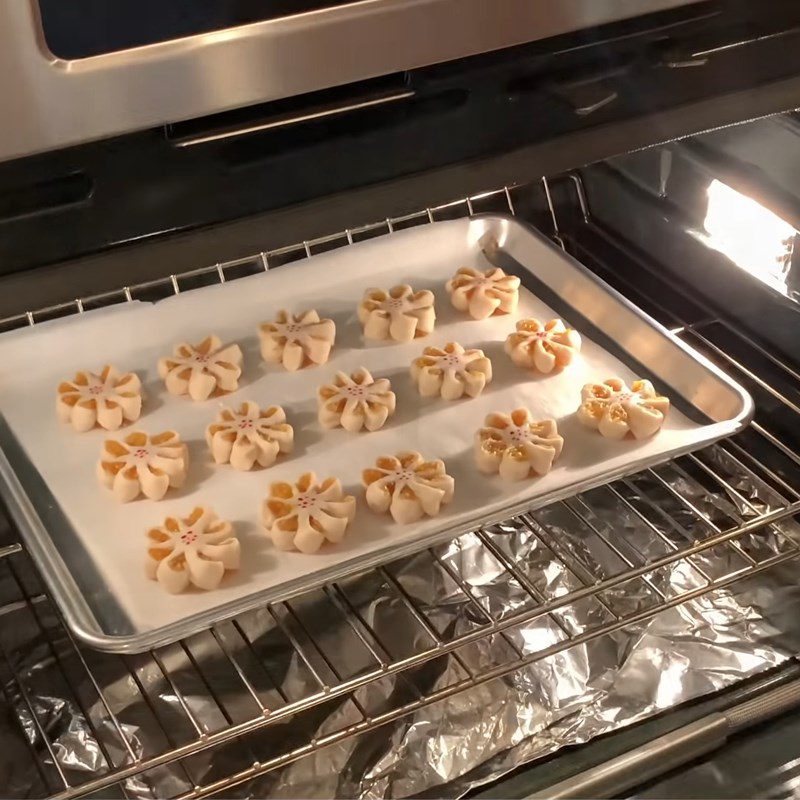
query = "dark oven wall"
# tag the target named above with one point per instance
(719, 213)
(462, 126)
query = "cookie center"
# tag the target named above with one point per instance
(307, 501)
(201, 358)
(141, 452)
(394, 303)
(627, 398)
(358, 392)
(292, 327)
(541, 334)
(245, 424)
(452, 360)
(96, 389)
(516, 435)
(404, 475)
(188, 537)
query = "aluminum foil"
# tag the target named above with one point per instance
(88, 705)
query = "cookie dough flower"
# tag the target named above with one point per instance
(355, 402)
(198, 370)
(249, 436)
(543, 347)
(483, 293)
(614, 409)
(451, 371)
(297, 341)
(400, 314)
(107, 399)
(143, 464)
(196, 551)
(304, 515)
(408, 487)
(516, 446)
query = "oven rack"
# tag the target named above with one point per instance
(622, 554)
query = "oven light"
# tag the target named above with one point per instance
(753, 237)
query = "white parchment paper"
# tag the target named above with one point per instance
(134, 336)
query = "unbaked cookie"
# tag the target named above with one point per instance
(543, 347)
(107, 399)
(304, 515)
(249, 436)
(198, 370)
(516, 446)
(482, 294)
(196, 550)
(297, 341)
(355, 402)
(614, 409)
(451, 371)
(400, 314)
(408, 487)
(143, 464)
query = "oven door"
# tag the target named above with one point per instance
(110, 93)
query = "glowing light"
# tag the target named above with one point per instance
(753, 237)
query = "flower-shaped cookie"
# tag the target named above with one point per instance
(408, 487)
(202, 368)
(451, 372)
(297, 341)
(614, 409)
(196, 550)
(543, 347)
(142, 464)
(399, 314)
(355, 402)
(304, 515)
(514, 445)
(107, 399)
(249, 436)
(484, 293)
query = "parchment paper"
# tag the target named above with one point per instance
(134, 336)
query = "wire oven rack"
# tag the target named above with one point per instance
(615, 551)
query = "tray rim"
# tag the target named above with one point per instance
(72, 606)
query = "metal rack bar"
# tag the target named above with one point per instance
(205, 682)
(246, 639)
(522, 579)
(659, 534)
(289, 634)
(328, 663)
(578, 569)
(338, 599)
(239, 671)
(201, 733)
(589, 524)
(453, 574)
(736, 545)
(730, 443)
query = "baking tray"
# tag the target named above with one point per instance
(85, 543)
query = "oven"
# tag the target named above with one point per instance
(152, 151)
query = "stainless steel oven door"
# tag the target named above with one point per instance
(49, 103)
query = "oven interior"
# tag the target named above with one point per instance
(344, 690)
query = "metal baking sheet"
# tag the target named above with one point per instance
(90, 548)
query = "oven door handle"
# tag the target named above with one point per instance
(277, 122)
